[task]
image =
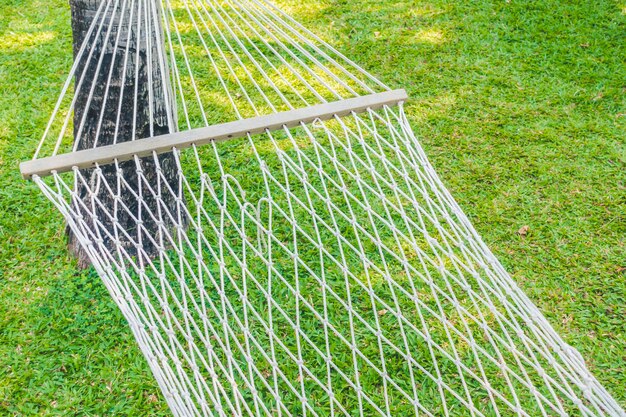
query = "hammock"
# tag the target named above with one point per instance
(280, 244)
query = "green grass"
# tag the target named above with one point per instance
(521, 108)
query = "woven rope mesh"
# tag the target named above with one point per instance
(321, 270)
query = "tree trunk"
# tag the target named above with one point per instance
(114, 111)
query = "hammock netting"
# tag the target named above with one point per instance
(319, 270)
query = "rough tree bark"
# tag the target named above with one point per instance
(121, 90)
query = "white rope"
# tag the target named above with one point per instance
(321, 270)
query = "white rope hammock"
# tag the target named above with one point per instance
(316, 269)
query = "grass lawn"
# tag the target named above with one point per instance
(520, 106)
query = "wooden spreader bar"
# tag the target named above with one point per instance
(88, 158)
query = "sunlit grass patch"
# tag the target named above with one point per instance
(432, 36)
(20, 41)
